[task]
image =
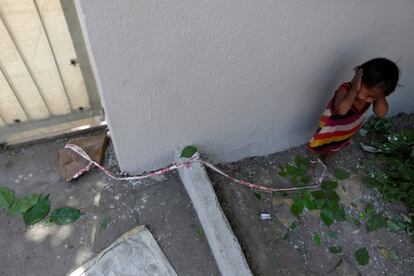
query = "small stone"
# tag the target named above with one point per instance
(351, 191)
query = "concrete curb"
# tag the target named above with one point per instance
(223, 243)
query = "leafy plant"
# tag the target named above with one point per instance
(293, 225)
(401, 223)
(200, 232)
(7, 197)
(335, 249)
(376, 129)
(362, 256)
(394, 176)
(317, 239)
(65, 215)
(38, 212)
(376, 222)
(34, 208)
(326, 200)
(23, 204)
(297, 172)
(105, 222)
(188, 152)
(258, 195)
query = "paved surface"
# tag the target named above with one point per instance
(161, 204)
(271, 248)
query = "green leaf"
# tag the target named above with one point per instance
(339, 215)
(188, 152)
(7, 197)
(327, 217)
(23, 204)
(320, 203)
(333, 205)
(283, 171)
(285, 236)
(362, 216)
(200, 232)
(293, 225)
(291, 170)
(376, 222)
(306, 179)
(105, 222)
(369, 210)
(335, 249)
(362, 256)
(317, 239)
(258, 195)
(309, 204)
(332, 195)
(47, 221)
(329, 185)
(395, 226)
(301, 161)
(65, 215)
(318, 194)
(341, 174)
(297, 208)
(38, 212)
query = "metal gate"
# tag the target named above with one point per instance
(46, 83)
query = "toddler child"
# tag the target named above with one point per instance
(374, 80)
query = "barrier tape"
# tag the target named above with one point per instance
(186, 164)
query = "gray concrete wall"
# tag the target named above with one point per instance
(238, 77)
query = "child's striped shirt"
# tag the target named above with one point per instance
(336, 130)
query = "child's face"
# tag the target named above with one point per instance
(371, 94)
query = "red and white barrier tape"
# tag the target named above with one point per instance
(186, 164)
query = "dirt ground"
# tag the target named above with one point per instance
(160, 203)
(272, 247)
(277, 247)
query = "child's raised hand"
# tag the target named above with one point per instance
(357, 80)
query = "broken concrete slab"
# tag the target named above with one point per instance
(71, 165)
(134, 253)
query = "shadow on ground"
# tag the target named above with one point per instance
(160, 203)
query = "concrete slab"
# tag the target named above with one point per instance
(159, 203)
(135, 253)
(224, 245)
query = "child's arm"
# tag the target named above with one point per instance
(343, 99)
(381, 107)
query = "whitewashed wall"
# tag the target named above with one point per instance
(235, 77)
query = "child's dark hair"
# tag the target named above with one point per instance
(380, 72)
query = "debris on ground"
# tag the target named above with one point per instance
(359, 225)
(134, 253)
(71, 165)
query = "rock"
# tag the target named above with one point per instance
(351, 191)
(71, 165)
(283, 213)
